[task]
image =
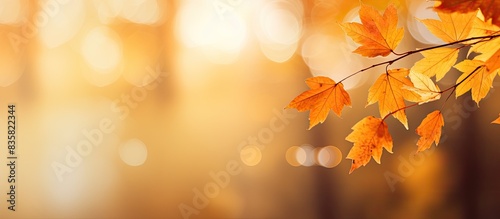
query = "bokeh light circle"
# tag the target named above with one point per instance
(101, 49)
(251, 155)
(331, 57)
(64, 20)
(279, 28)
(305, 155)
(133, 152)
(220, 38)
(329, 156)
(291, 156)
(420, 10)
(102, 54)
(141, 11)
(280, 25)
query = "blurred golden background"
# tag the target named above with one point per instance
(174, 109)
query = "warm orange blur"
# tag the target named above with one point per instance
(174, 109)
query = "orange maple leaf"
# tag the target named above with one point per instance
(377, 34)
(490, 8)
(497, 121)
(475, 78)
(369, 136)
(324, 95)
(430, 130)
(452, 26)
(387, 90)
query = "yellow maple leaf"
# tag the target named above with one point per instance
(430, 130)
(389, 93)
(436, 62)
(452, 26)
(475, 77)
(482, 28)
(369, 136)
(485, 49)
(324, 95)
(377, 34)
(423, 86)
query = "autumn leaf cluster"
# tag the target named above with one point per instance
(470, 25)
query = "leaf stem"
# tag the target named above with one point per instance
(408, 53)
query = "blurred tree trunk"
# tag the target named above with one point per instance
(469, 144)
(325, 187)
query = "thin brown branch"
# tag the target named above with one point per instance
(402, 108)
(408, 53)
(447, 98)
(460, 82)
